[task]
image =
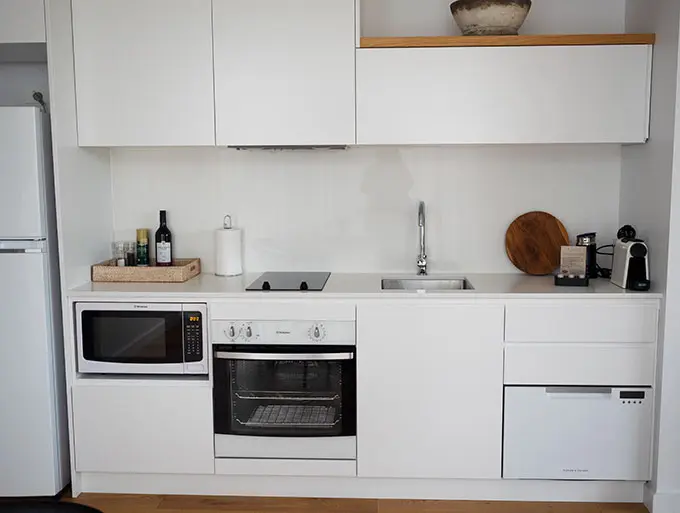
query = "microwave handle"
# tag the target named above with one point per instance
(223, 355)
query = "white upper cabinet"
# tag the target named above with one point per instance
(539, 94)
(144, 72)
(22, 21)
(284, 72)
(429, 390)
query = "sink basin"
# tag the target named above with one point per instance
(424, 283)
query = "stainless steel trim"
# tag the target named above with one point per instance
(579, 390)
(422, 256)
(224, 355)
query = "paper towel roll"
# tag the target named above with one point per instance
(228, 252)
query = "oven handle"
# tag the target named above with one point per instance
(222, 355)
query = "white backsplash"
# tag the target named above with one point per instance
(356, 210)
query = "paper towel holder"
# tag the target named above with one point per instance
(227, 223)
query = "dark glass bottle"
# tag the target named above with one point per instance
(163, 243)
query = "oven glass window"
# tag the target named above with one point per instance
(132, 337)
(286, 396)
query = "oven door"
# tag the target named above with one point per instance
(285, 391)
(124, 338)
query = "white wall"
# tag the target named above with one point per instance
(18, 81)
(355, 210)
(433, 17)
(647, 193)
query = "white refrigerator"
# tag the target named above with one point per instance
(33, 427)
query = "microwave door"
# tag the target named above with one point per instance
(130, 339)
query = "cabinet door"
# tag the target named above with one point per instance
(144, 74)
(154, 428)
(284, 72)
(429, 390)
(22, 21)
(586, 94)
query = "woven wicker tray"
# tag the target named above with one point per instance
(183, 270)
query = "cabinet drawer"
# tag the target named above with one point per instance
(155, 428)
(590, 321)
(579, 364)
(300, 468)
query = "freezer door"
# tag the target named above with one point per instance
(579, 433)
(28, 447)
(22, 192)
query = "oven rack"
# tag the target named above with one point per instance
(278, 396)
(292, 415)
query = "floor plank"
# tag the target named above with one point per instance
(267, 505)
(203, 504)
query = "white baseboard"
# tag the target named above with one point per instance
(339, 487)
(664, 503)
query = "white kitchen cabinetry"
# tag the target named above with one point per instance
(144, 72)
(429, 389)
(143, 428)
(585, 343)
(284, 72)
(561, 94)
(22, 21)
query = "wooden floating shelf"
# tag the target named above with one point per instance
(538, 40)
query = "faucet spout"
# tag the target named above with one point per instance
(422, 257)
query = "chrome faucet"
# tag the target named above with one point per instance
(422, 257)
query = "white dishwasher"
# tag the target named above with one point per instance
(579, 433)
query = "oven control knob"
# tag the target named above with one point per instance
(317, 332)
(249, 332)
(231, 332)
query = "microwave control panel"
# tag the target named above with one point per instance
(193, 337)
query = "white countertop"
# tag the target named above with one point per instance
(342, 285)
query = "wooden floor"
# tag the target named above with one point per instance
(197, 504)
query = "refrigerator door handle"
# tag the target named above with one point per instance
(4, 251)
(23, 246)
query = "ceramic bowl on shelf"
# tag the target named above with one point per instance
(490, 17)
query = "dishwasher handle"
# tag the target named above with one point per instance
(579, 390)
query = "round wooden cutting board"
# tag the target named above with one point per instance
(533, 243)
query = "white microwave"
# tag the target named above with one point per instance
(142, 338)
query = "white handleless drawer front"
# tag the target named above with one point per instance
(298, 468)
(580, 364)
(582, 321)
(155, 428)
(578, 342)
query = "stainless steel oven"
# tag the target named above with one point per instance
(285, 390)
(142, 338)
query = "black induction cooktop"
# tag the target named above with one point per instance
(290, 281)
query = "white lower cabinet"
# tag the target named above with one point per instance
(151, 428)
(429, 389)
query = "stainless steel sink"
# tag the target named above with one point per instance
(427, 284)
